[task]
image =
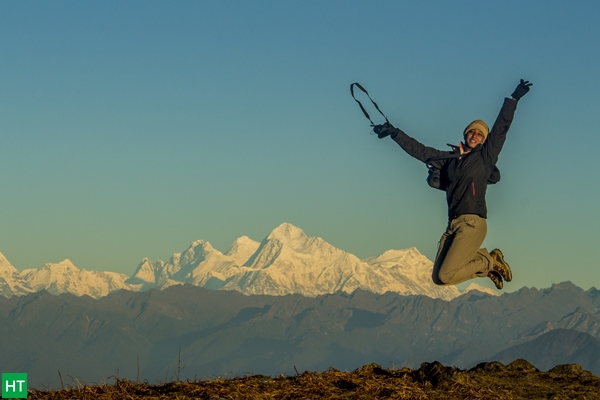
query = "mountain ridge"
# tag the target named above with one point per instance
(217, 332)
(286, 261)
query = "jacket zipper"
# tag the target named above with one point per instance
(473, 187)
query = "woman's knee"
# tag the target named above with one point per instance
(443, 277)
(437, 278)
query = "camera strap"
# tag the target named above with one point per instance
(360, 87)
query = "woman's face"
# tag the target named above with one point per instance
(473, 137)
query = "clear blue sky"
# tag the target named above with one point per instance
(130, 129)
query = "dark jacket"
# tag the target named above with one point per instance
(466, 177)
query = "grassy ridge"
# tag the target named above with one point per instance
(518, 380)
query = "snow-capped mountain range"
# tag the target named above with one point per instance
(287, 261)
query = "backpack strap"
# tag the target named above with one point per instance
(443, 157)
(359, 86)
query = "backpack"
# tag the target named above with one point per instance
(434, 174)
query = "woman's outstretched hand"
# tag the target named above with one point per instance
(384, 130)
(521, 90)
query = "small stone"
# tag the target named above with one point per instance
(522, 366)
(567, 369)
(493, 366)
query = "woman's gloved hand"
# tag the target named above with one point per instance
(521, 90)
(384, 130)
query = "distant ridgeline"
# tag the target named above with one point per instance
(190, 332)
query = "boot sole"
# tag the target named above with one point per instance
(505, 265)
(499, 284)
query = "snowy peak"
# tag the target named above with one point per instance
(242, 249)
(289, 235)
(393, 255)
(11, 283)
(196, 253)
(64, 277)
(410, 261)
(145, 273)
(63, 271)
(6, 268)
(287, 231)
(289, 239)
(289, 247)
(475, 287)
(3, 260)
(61, 267)
(409, 272)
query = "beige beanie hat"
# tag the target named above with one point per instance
(478, 124)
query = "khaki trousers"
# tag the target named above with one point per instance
(459, 257)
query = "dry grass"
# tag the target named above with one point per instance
(518, 380)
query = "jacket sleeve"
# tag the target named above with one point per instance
(497, 136)
(415, 148)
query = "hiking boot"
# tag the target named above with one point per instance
(500, 265)
(496, 278)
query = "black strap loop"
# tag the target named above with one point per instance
(444, 156)
(455, 153)
(359, 86)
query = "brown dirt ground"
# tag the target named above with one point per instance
(518, 380)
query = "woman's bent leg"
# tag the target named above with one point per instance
(460, 257)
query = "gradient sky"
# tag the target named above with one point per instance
(130, 129)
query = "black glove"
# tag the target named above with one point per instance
(384, 130)
(521, 90)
